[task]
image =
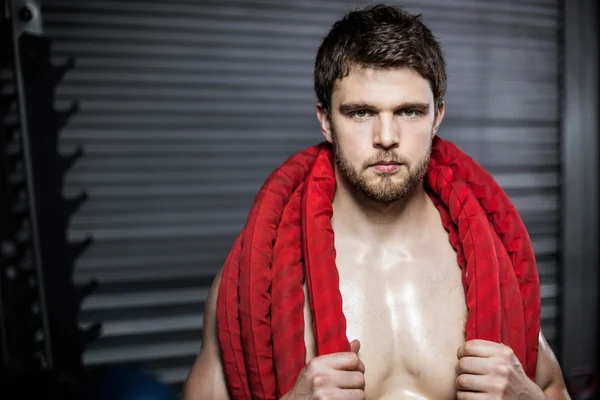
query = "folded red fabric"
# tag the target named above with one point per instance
(288, 239)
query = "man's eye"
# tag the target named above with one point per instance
(410, 112)
(360, 113)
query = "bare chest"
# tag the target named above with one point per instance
(408, 313)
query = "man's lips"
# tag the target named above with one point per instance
(386, 167)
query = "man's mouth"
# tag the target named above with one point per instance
(386, 163)
(386, 166)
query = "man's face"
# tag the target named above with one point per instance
(381, 125)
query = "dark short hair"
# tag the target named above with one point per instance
(379, 36)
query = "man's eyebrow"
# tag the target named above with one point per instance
(347, 107)
(417, 105)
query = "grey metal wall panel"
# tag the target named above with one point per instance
(187, 106)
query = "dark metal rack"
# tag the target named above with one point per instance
(25, 339)
(39, 303)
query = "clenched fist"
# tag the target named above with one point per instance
(332, 376)
(488, 370)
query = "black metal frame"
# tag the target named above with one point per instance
(23, 321)
(38, 299)
(580, 181)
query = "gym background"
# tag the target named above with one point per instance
(135, 134)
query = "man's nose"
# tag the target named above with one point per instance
(386, 134)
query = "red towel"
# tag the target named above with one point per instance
(288, 238)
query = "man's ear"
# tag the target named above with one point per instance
(439, 117)
(324, 121)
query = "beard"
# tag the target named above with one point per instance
(385, 188)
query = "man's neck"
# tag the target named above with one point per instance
(370, 220)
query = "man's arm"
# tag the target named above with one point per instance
(206, 380)
(548, 374)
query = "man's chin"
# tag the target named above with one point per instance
(384, 194)
(384, 198)
(386, 181)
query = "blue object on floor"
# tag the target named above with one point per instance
(130, 384)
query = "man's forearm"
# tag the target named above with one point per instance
(556, 391)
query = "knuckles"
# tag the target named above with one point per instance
(317, 381)
(361, 380)
(507, 353)
(468, 347)
(462, 364)
(353, 360)
(312, 365)
(462, 381)
(502, 370)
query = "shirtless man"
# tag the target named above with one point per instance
(399, 279)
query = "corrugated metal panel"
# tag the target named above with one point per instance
(187, 106)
